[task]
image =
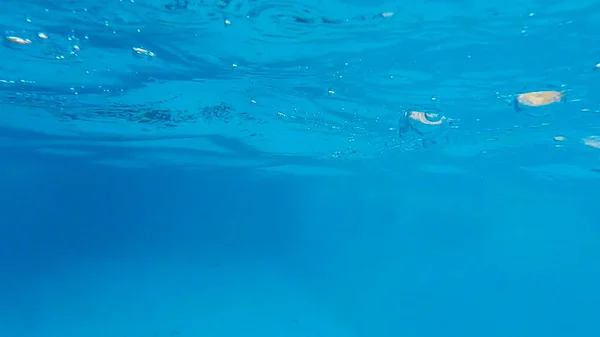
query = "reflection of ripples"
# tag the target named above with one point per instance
(297, 21)
(87, 60)
(150, 113)
(284, 20)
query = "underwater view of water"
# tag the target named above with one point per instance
(343, 168)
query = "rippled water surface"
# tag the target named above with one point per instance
(316, 84)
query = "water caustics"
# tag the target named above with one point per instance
(275, 83)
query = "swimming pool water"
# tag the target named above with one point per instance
(315, 168)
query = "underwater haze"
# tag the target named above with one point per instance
(258, 168)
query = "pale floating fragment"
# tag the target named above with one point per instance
(143, 52)
(426, 118)
(18, 40)
(592, 141)
(429, 127)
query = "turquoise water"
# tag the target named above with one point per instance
(277, 168)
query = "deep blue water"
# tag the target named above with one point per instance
(276, 168)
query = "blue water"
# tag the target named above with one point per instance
(319, 168)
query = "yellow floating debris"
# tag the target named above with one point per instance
(539, 98)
